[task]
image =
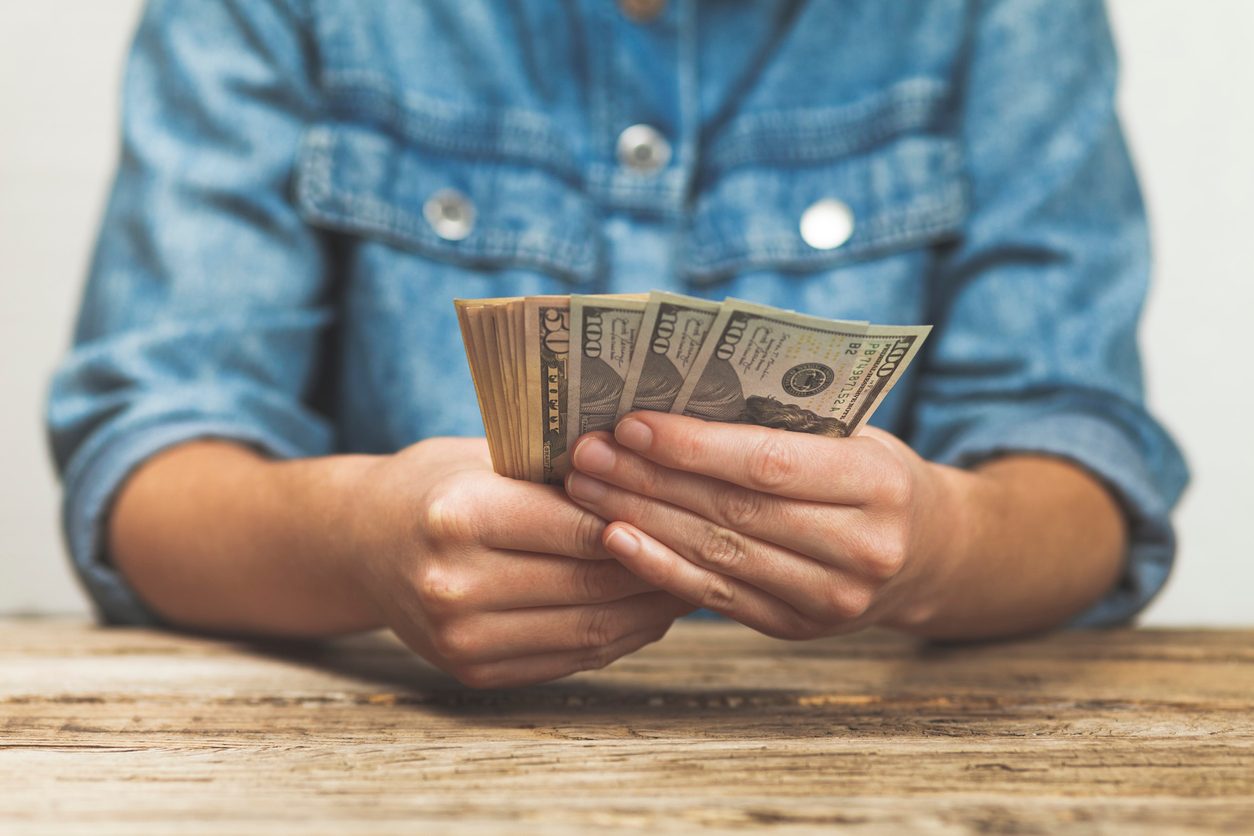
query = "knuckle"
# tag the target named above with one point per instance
(450, 514)
(587, 535)
(722, 550)
(597, 629)
(647, 480)
(852, 603)
(442, 589)
(718, 593)
(455, 642)
(832, 600)
(739, 508)
(590, 580)
(772, 462)
(885, 557)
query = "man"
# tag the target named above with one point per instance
(252, 424)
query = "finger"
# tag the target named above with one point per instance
(528, 670)
(819, 530)
(849, 471)
(510, 514)
(734, 598)
(494, 636)
(507, 580)
(803, 584)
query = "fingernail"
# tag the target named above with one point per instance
(621, 542)
(634, 434)
(594, 456)
(585, 487)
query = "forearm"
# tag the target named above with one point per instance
(214, 536)
(1032, 541)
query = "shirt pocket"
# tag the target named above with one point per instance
(884, 162)
(482, 211)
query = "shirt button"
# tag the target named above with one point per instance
(641, 11)
(450, 213)
(827, 224)
(642, 148)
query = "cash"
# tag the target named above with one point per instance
(548, 369)
(605, 331)
(674, 330)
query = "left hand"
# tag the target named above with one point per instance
(795, 535)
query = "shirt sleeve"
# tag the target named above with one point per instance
(206, 301)
(1037, 305)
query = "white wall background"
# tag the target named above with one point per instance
(1188, 70)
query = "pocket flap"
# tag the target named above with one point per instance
(907, 192)
(362, 180)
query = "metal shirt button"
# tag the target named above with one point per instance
(827, 224)
(641, 11)
(450, 213)
(642, 148)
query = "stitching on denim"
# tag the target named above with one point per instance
(828, 133)
(313, 166)
(921, 218)
(664, 196)
(510, 134)
(362, 208)
(365, 81)
(354, 211)
(925, 218)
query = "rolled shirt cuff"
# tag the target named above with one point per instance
(1105, 451)
(95, 477)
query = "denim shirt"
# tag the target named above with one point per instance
(269, 269)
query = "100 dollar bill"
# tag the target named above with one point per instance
(671, 335)
(604, 330)
(774, 368)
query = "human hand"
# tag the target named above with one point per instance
(795, 535)
(496, 581)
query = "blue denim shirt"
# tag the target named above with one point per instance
(266, 272)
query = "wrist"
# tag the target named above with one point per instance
(952, 516)
(332, 518)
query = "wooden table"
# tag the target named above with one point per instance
(716, 728)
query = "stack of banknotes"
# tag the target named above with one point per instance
(548, 369)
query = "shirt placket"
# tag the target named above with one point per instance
(644, 118)
(643, 107)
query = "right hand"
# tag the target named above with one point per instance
(499, 582)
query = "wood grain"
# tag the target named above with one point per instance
(715, 729)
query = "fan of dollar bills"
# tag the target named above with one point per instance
(549, 368)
